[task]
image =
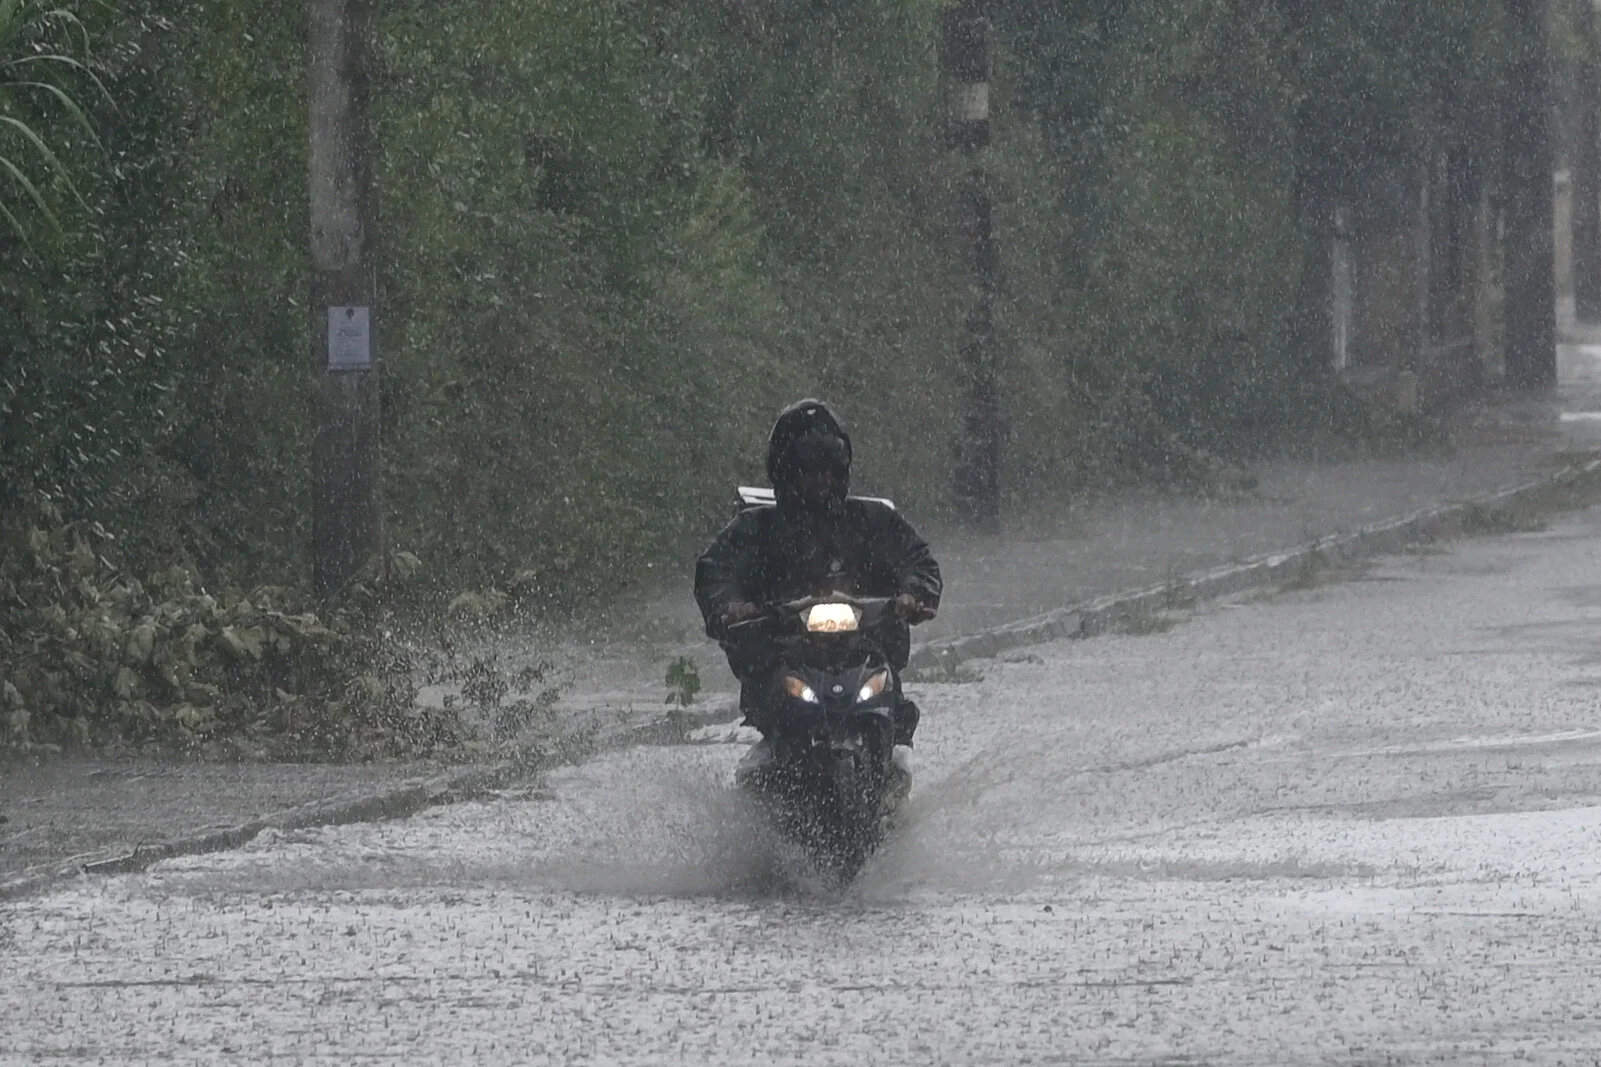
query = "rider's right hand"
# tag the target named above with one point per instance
(737, 611)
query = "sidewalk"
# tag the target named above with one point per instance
(83, 811)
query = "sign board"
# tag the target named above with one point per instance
(972, 102)
(350, 338)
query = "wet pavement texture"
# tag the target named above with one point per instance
(1353, 823)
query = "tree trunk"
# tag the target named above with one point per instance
(1312, 320)
(347, 511)
(964, 58)
(1529, 160)
(1585, 168)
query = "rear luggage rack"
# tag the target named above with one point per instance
(755, 496)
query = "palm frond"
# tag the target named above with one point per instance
(39, 144)
(22, 179)
(74, 65)
(15, 224)
(37, 39)
(11, 21)
(71, 22)
(68, 104)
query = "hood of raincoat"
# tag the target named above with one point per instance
(808, 438)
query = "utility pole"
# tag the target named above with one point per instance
(965, 63)
(347, 507)
(1530, 169)
(1584, 166)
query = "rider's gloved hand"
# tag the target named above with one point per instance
(913, 610)
(739, 611)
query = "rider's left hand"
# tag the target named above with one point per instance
(911, 609)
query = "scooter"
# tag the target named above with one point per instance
(831, 779)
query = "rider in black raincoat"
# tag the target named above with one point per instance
(816, 539)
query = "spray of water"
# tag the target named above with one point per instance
(657, 823)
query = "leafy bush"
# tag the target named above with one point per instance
(92, 655)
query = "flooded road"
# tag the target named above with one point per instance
(1358, 823)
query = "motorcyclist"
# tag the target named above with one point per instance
(815, 539)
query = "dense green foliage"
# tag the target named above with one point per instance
(95, 655)
(618, 234)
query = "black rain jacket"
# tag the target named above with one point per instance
(775, 553)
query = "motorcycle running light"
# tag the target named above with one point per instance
(875, 686)
(799, 690)
(831, 619)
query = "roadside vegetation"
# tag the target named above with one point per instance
(617, 236)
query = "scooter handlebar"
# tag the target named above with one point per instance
(874, 610)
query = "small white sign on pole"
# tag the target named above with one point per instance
(350, 338)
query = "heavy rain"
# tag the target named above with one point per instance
(827, 532)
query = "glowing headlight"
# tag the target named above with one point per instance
(800, 690)
(831, 619)
(874, 687)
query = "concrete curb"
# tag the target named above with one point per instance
(1080, 620)
(393, 803)
(1091, 617)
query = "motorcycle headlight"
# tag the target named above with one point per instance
(800, 690)
(832, 619)
(874, 687)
